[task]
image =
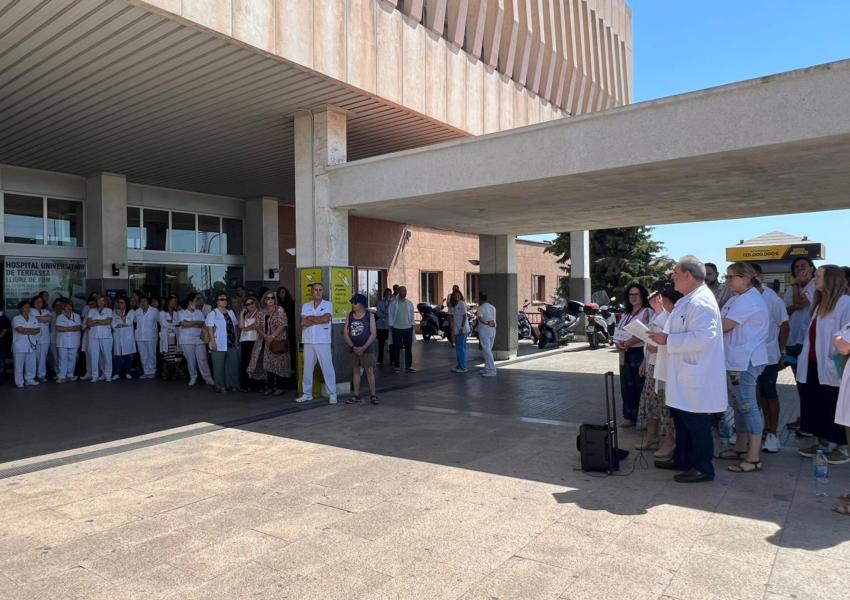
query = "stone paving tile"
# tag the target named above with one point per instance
(620, 578)
(736, 538)
(340, 581)
(802, 575)
(431, 579)
(213, 560)
(567, 547)
(646, 544)
(521, 578)
(76, 582)
(299, 522)
(708, 577)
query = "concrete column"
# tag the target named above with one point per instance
(262, 255)
(497, 258)
(580, 266)
(106, 232)
(321, 232)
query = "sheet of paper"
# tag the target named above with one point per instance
(639, 329)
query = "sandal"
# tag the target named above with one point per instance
(353, 400)
(845, 497)
(746, 466)
(653, 445)
(374, 400)
(731, 454)
(842, 509)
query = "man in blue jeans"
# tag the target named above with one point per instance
(460, 324)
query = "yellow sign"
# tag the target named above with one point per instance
(308, 278)
(341, 291)
(779, 252)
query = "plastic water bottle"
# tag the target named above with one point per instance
(821, 468)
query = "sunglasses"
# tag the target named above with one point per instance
(221, 299)
(249, 304)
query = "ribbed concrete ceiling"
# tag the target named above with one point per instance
(98, 85)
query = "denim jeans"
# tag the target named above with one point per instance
(694, 441)
(742, 398)
(460, 350)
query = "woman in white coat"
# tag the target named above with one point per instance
(842, 410)
(25, 332)
(99, 325)
(44, 316)
(191, 323)
(746, 327)
(123, 340)
(69, 328)
(816, 368)
(224, 345)
(147, 322)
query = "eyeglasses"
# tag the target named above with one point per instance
(221, 299)
(249, 304)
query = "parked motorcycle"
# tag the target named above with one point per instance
(600, 321)
(472, 319)
(559, 323)
(435, 321)
(525, 330)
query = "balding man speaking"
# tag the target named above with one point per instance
(696, 372)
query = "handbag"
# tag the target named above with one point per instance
(279, 347)
(205, 335)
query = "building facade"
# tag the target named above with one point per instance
(171, 145)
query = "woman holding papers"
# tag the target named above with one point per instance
(746, 327)
(631, 352)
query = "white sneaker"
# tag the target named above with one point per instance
(304, 398)
(459, 370)
(85, 377)
(771, 444)
(209, 381)
(108, 379)
(332, 399)
(33, 382)
(488, 374)
(20, 385)
(58, 380)
(193, 381)
(114, 377)
(128, 376)
(74, 378)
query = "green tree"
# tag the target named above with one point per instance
(618, 257)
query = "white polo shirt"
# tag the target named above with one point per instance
(747, 342)
(68, 339)
(189, 336)
(21, 342)
(778, 316)
(100, 332)
(317, 334)
(147, 324)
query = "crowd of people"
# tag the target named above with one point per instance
(244, 341)
(711, 355)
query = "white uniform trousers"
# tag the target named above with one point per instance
(67, 362)
(487, 336)
(100, 350)
(197, 360)
(41, 359)
(147, 355)
(323, 354)
(24, 367)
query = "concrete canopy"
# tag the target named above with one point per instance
(779, 144)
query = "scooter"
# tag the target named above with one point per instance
(435, 321)
(560, 328)
(596, 328)
(525, 330)
(472, 319)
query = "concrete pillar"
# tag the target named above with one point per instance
(498, 278)
(262, 254)
(321, 232)
(106, 232)
(580, 266)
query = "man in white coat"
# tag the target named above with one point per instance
(695, 379)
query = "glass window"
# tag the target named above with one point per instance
(24, 219)
(370, 283)
(209, 234)
(538, 288)
(471, 288)
(64, 223)
(162, 280)
(134, 228)
(231, 232)
(182, 232)
(156, 229)
(428, 287)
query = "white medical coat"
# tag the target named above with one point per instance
(827, 328)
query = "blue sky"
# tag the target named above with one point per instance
(686, 45)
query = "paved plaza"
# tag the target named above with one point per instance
(455, 487)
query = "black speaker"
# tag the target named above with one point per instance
(597, 444)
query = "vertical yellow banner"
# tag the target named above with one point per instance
(341, 289)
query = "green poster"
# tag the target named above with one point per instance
(341, 291)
